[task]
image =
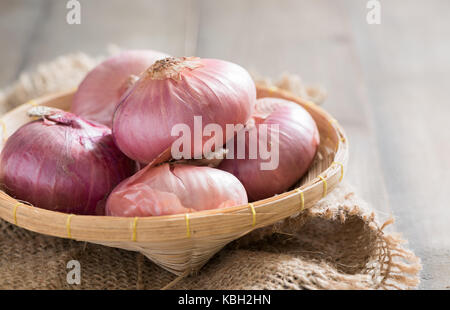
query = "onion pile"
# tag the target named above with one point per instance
(171, 189)
(99, 93)
(77, 164)
(63, 163)
(298, 140)
(174, 91)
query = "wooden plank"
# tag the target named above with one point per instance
(309, 38)
(18, 19)
(386, 83)
(405, 64)
(160, 24)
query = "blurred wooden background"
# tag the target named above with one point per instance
(388, 84)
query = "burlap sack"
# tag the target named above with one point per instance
(337, 244)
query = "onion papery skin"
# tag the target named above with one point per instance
(63, 163)
(298, 144)
(174, 91)
(172, 189)
(99, 93)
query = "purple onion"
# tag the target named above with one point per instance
(298, 143)
(63, 163)
(100, 91)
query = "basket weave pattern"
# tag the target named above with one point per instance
(185, 242)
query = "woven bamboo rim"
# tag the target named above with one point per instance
(184, 242)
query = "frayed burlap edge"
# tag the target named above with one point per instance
(337, 244)
(390, 264)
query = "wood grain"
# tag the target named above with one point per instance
(387, 83)
(406, 70)
(310, 38)
(19, 20)
(158, 24)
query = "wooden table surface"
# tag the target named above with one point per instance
(388, 84)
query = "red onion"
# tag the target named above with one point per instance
(63, 163)
(171, 189)
(100, 91)
(174, 91)
(298, 140)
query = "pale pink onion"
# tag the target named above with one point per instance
(99, 93)
(172, 189)
(63, 163)
(174, 91)
(298, 144)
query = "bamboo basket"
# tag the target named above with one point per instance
(183, 243)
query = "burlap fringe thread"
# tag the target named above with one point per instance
(337, 244)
